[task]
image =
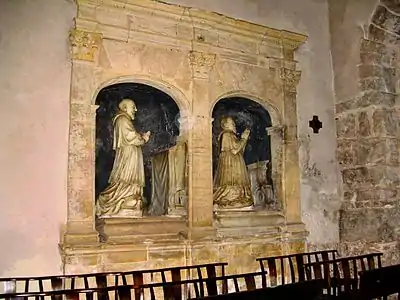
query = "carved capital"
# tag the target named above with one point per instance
(291, 78)
(84, 44)
(202, 63)
(276, 131)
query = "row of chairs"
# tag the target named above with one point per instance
(201, 281)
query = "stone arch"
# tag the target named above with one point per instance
(176, 94)
(159, 115)
(275, 114)
(262, 160)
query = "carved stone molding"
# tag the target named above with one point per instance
(84, 44)
(202, 63)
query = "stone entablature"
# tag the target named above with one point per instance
(197, 58)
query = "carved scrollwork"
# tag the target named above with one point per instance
(84, 44)
(291, 78)
(202, 63)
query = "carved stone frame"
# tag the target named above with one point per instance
(197, 58)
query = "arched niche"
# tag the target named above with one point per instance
(156, 112)
(257, 154)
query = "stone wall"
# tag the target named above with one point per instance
(368, 133)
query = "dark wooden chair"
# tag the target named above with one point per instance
(341, 275)
(380, 283)
(199, 287)
(102, 280)
(307, 290)
(290, 268)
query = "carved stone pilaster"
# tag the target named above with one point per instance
(202, 63)
(84, 44)
(276, 132)
(291, 79)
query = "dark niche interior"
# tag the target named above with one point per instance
(246, 114)
(156, 111)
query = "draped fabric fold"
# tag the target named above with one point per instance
(160, 184)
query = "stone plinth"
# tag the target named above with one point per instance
(247, 222)
(120, 230)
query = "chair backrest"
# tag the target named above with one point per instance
(380, 282)
(341, 274)
(102, 280)
(290, 268)
(163, 290)
(306, 290)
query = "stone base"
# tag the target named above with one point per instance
(238, 237)
(239, 253)
(247, 221)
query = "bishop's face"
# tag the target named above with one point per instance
(230, 125)
(131, 109)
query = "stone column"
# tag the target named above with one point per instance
(200, 146)
(291, 185)
(81, 152)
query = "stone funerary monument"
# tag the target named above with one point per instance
(183, 139)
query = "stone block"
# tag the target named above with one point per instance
(346, 151)
(393, 5)
(346, 125)
(384, 123)
(393, 154)
(265, 249)
(365, 71)
(368, 46)
(206, 254)
(371, 151)
(371, 225)
(364, 124)
(354, 178)
(83, 260)
(381, 98)
(167, 254)
(381, 36)
(144, 228)
(386, 19)
(133, 255)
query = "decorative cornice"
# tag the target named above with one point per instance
(181, 21)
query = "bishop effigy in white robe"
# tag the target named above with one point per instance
(124, 193)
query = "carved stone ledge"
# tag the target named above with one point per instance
(84, 44)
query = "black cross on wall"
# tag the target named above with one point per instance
(315, 124)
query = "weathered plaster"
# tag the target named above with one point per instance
(34, 109)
